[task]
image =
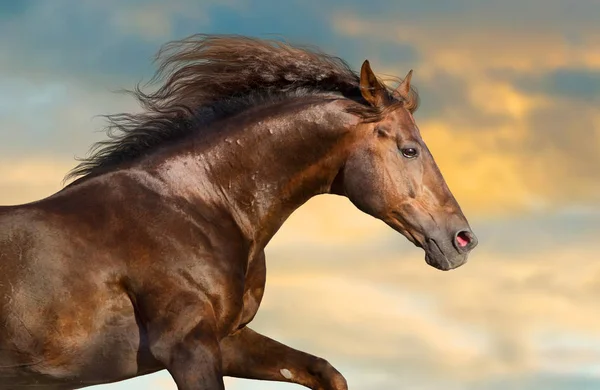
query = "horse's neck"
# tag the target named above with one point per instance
(268, 169)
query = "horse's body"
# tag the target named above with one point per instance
(154, 259)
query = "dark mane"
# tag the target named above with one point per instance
(210, 77)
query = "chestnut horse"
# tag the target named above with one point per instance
(153, 258)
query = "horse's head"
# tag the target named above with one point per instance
(391, 175)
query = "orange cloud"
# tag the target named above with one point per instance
(472, 48)
(30, 179)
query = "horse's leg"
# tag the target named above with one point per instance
(247, 354)
(182, 336)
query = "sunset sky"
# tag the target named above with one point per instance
(510, 93)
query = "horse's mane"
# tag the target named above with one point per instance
(210, 77)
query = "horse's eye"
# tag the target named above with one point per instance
(410, 152)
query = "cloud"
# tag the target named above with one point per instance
(98, 42)
(580, 85)
(479, 323)
(149, 22)
(488, 319)
(54, 116)
(30, 179)
(468, 35)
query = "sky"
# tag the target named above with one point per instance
(510, 95)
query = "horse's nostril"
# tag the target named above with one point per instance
(463, 239)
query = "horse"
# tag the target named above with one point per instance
(152, 257)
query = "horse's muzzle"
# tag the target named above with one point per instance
(447, 254)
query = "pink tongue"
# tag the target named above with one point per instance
(461, 241)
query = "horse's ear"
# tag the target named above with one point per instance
(371, 89)
(404, 88)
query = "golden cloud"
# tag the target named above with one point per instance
(471, 48)
(482, 320)
(31, 179)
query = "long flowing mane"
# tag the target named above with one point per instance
(210, 77)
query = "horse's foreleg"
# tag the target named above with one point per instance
(247, 354)
(184, 340)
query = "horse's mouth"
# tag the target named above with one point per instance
(435, 257)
